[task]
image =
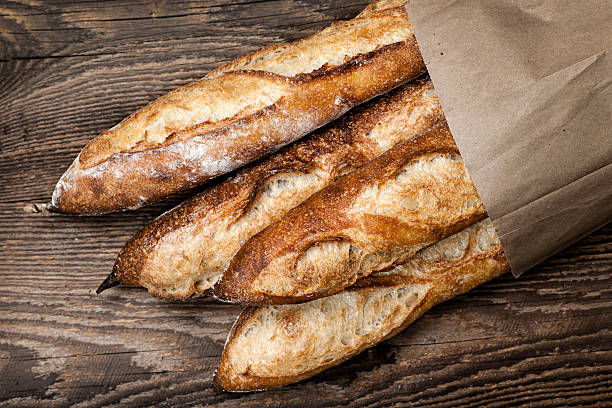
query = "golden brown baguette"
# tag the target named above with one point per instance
(184, 251)
(271, 346)
(240, 112)
(415, 194)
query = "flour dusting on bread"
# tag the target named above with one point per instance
(329, 48)
(240, 112)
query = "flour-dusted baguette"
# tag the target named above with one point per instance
(415, 194)
(271, 346)
(184, 251)
(240, 112)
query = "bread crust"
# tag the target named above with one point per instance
(431, 275)
(184, 251)
(238, 113)
(415, 194)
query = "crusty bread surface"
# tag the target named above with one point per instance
(415, 194)
(277, 345)
(184, 251)
(240, 112)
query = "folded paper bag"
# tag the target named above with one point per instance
(526, 87)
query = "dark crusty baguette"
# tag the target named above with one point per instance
(415, 194)
(271, 346)
(184, 251)
(240, 112)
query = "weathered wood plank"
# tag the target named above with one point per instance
(70, 69)
(32, 29)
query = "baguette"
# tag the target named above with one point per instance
(415, 194)
(240, 112)
(271, 346)
(183, 252)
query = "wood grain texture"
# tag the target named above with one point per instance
(73, 68)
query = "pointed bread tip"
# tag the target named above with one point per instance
(110, 281)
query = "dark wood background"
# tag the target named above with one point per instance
(70, 69)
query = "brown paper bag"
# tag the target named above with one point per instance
(526, 86)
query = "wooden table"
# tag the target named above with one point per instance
(71, 69)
